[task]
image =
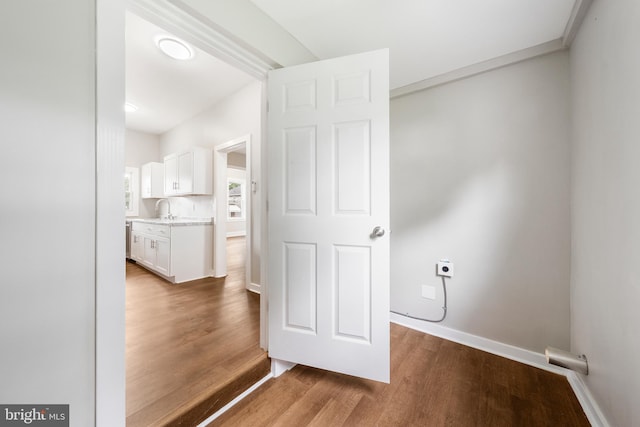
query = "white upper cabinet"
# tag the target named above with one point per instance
(188, 172)
(152, 181)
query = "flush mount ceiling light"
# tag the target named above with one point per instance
(174, 48)
(130, 108)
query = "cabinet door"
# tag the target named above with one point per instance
(170, 175)
(163, 256)
(137, 246)
(149, 251)
(185, 173)
(145, 181)
(152, 181)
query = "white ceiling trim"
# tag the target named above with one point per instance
(481, 67)
(177, 19)
(578, 13)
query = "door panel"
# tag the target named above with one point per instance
(300, 286)
(353, 292)
(328, 188)
(300, 170)
(352, 156)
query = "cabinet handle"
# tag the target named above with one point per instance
(153, 244)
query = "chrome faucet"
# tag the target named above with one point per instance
(169, 215)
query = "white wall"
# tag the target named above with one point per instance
(48, 218)
(605, 273)
(235, 116)
(141, 148)
(480, 175)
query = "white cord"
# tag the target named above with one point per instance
(444, 308)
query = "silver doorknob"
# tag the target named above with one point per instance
(377, 232)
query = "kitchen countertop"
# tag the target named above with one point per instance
(175, 222)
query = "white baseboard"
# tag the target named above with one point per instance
(528, 357)
(589, 406)
(253, 287)
(518, 354)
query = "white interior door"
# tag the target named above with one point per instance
(328, 161)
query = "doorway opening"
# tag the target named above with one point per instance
(196, 345)
(234, 188)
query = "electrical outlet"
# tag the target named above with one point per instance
(444, 268)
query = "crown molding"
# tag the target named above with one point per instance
(179, 19)
(578, 13)
(480, 67)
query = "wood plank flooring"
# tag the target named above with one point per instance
(434, 382)
(192, 347)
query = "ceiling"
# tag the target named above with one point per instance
(426, 38)
(166, 91)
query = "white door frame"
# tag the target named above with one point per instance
(220, 165)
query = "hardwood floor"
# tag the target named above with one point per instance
(434, 382)
(192, 347)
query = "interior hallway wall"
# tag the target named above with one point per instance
(480, 175)
(233, 117)
(605, 273)
(48, 227)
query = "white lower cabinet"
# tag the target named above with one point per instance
(137, 246)
(178, 253)
(157, 254)
(163, 256)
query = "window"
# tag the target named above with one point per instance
(131, 189)
(235, 199)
